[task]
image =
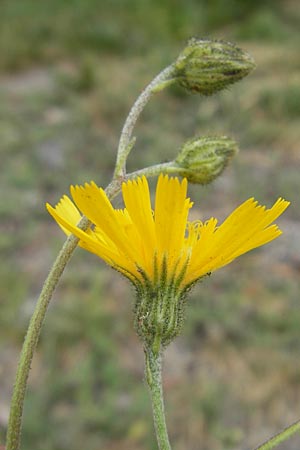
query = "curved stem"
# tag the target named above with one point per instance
(280, 437)
(37, 319)
(31, 339)
(153, 377)
(126, 142)
(153, 171)
(34, 329)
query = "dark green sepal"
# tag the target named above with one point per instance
(159, 314)
(206, 66)
(202, 159)
(159, 309)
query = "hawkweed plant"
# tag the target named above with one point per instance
(156, 247)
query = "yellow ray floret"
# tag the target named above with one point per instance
(142, 242)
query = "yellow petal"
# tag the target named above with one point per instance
(171, 212)
(94, 204)
(138, 242)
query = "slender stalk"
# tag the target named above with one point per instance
(126, 142)
(37, 319)
(34, 329)
(154, 170)
(153, 377)
(280, 437)
(31, 339)
(32, 336)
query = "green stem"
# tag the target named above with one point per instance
(34, 329)
(126, 142)
(37, 319)
(153, 377)
(280, 437)
(154, 170)
(31, 339)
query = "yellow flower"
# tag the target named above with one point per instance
(150, 246)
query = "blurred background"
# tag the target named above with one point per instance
(69, 73)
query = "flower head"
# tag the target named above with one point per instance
(158, 249)
(148, 244)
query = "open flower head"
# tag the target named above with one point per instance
(158, 249)
(148, 245)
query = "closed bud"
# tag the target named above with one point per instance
(207, 66)
(202, 159)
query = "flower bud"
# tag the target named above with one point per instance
(202, 159)
(207, 66)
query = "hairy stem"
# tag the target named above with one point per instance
(154, 170)
(37, 319)
(280, 437)
(34, 329)
(31, 339)
(126, 142)
(153, 377)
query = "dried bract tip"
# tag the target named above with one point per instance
(202, 159)
(206, 66)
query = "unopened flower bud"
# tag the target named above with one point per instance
(207, 66)
(202, 159)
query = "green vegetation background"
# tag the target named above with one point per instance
(70, 70)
